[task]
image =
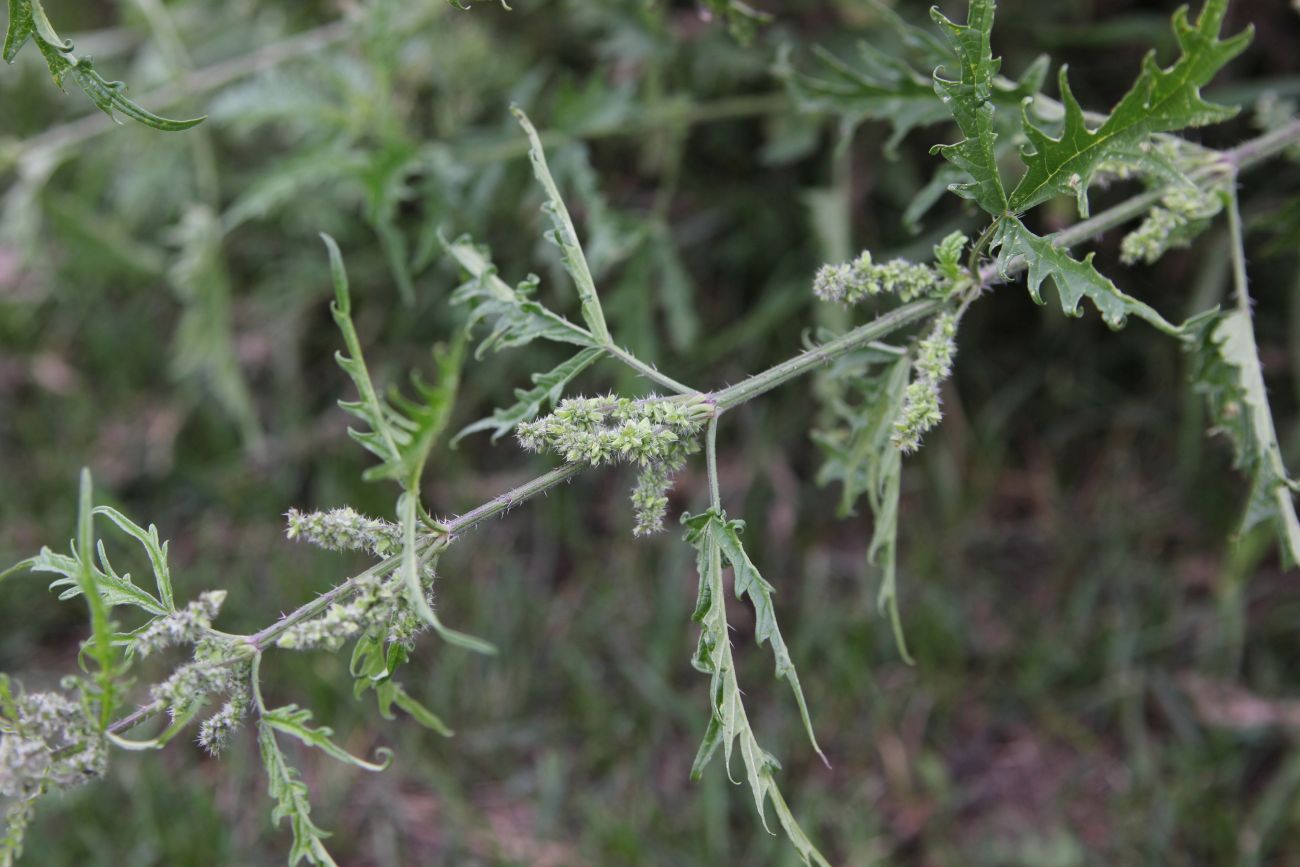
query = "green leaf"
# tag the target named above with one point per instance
(181, 718)
(385, 177)
(292, 802)
(22, 24)
(879, 86)
(154, 547)
(728, 723)
(1227, 371)
(27, 20)
(391, 692)
(1074, 279)
(114, 588)
(292, 720)
(969, 98)
(747, 581)
(372, 667)
(564, 235)
(415, 589)
(742, 19)
(402, 432)
(861, 456)
(515, 316)
(547, 388)
(1161, 100)
(204, 344)
(110, 97)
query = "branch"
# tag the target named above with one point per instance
(1244, 156)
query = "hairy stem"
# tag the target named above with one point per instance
(711, 460)
(1237, 246)
(647, 370)
(504, 502)
(748, 389)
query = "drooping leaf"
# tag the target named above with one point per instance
(1074, 279)
(728, 721)
(1161, 100)
(292, 801)
(413, 571)
(861, 456)
(204, 347)
(969, 98)
(28, 21)
(22, 24)
(374, 660)
(547, 388)
(1227, 371)
(384, 177)
(747, 581)
(402, 431)
(293, 720)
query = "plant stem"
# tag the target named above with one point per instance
(748, 389)
(1237, 247)
(1261, 148)
(647, 371)
(1245, 155)
(504, 502)
(711, 461)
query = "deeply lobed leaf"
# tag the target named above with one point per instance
(547, 388)
(1074, 279)
(1226, 370)
(401, 431)
(969, 98)
(714, 539)
(28, 21)
(1161, 100)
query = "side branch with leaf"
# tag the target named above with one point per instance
(884, 398)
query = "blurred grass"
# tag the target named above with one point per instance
(1066, 573)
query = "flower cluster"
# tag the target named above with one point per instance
(921, 405)
(1180, 217)
(650, 496)
(378, 602)
(603, 430)
(213, 671)
(47, 741)
(655, 434)
(216, 730)
(187, 626)
(851, 282)
(345, 530)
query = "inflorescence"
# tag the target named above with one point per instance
(379, 602)
(921, 404)
(47, 741)
(851, 282)
(933, 353)
(345, 530)
(655, 434)
(1180, 217)
(186, 626)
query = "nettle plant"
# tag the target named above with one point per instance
(885, 381)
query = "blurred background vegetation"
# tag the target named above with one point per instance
(1104, 674)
